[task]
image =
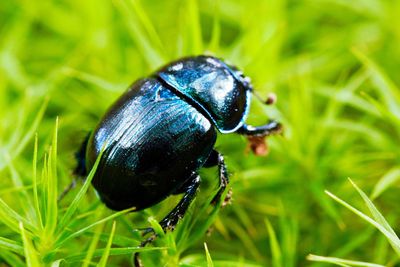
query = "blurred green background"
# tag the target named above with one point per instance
(334, 65)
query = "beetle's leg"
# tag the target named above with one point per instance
(272, 127)
(80, 169)
(67, 189)
(171, 220)
(80, 157)
(217, 159)
(212, 159)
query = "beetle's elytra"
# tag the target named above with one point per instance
(159, 133)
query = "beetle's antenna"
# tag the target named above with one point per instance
(257, 95)
(271, 98)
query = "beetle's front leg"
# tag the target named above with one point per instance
(272, 127)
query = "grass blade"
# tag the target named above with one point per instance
(274, 244)
(31, 256)
(392, 238)
(113, 252)
(195, 38)
(92, 79)
(104, 258)
(51, 186)
(22, 194)
(93, 243)
(11, 245)
(152, 55)
(81, 231)
(216, 29)
(392, 176)
(208, 256)
(35, 185)
(145, 21)
(29, 133)
(77, 200)
(11, 218)
(341, 262)
(387, 88)
(57, 263)
(12, 259)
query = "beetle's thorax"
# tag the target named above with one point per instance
(212, 87)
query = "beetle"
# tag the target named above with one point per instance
(163, 129)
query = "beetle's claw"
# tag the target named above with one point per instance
(148, 240)
(145, 231)
(136, 259)
(228, 198)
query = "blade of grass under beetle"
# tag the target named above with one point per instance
(197, 231)
(75, 203)
(95, 240)
(104, 257)
(113, 252)
(81, 231)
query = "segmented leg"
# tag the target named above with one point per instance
(272, 127)
(67, 189)
(80, 157)
(80, 169)
(216, 159)
(171, 220)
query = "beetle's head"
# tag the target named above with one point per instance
(245, 81)
(218, 90)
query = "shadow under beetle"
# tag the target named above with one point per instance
(163, 129)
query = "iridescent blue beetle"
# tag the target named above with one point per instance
(163, 129)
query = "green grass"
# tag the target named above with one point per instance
(334, 65)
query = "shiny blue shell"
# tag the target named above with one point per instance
(211, 86)
(153, 142)
(163, 129)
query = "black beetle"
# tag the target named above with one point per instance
(163, 129)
